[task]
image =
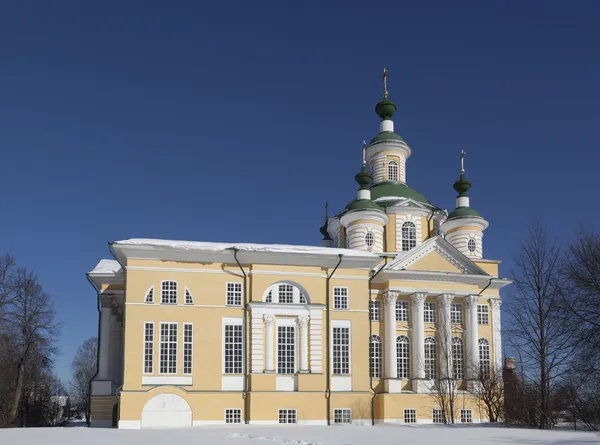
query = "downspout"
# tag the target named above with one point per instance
(119, 388)
(373, 275)
(245, 340)
(488, 285)
(328, 344)
(429, 218)
(97, 344)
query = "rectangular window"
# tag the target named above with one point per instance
(429, 312)
(340, 297)
(401, 310)
(341, 350)
(234, 294)
(410, 415)
(168, 348)
(169, 292)
(456, 313)
(286, 349)
(375, 310)
(466, 416)
(188, 335)
(148, 348)
(233, 415)
(287, 416)
(286, 293)
(342, 416)
(482, 314)
(233, 349)
(437, 416)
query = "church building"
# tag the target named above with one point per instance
(397, 306)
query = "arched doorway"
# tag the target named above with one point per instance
(166, 411)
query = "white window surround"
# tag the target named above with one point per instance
(375, 310)
(429, 312)
(437, 416)
(400, 220)
(342, 416)
(341, 382)
(148, 348)
(409, 236)
(188, 348)
(287, 323)
(403, 356)
(483, 314)
(233, 415)
(149, 298)
(233, 294)
(287, 415)
(466, 416)
(231, 382)
(456, 313)
(392, 170)
(410, 415)
(402, 310)
(299, 294)
(168, 291)
(376, 355)
(189, 299)
(231, 321)
(340, 297)
(170, 345)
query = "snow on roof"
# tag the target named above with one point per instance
(243, 247)
(107, 267)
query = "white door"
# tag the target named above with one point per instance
(167, 411)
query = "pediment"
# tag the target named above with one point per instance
(435, 255)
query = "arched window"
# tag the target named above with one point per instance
(484, 358)
(189, 299)
(392, 171)
(430, 364)
(369, 239)
(149, 298)
(375, 356)
(403, 352)
(409, 236)
(285, 293)
(457, 358)
(472, 245)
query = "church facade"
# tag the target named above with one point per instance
(396, 307)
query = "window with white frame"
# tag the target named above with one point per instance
(149, 298)
(269, 297)
(430, 358)
(188, 341)
(457, 358)
(234, 294)
(483, 314)
(437, 416)
(341, 350)
(233, 349)
(375, 310)
(286, 349)
(375, 355)
(456, 313)
(188, 297)
(392, 171)
(233, 415)
(409, 236)
(287, 416)
(472, 245)
(410, 415)
(168, 348)
(342, 416)
(403, 353)
(340, 297)
(484, 358)
(429, 312)
(466, 416)
(169, 292)
(302, 298)
(286, 293)
(369, 239)
(148, 347)
(401, 310)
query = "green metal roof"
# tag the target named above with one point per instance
(464, 212)
(391, 189)
(386, 136)
(363, 204)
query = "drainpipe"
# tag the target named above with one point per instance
(428, 221)
(373, 275)
(328, 340)
(245, 340)
(98, 344)
(119, 388)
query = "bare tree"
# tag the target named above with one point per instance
(84, 368)
(536, 311)
(488, 389)
(33, 331)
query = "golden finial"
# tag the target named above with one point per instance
(462, 161)
(385, 92)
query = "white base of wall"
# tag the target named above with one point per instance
(209, 422)
(341, 383)
(167, 380)
(232, 383)
(286, 383)
(130, 424)
(101, 424)
(394, 386)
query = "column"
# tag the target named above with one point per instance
(497, 337)
(391, 354)
(105, 334)
(445, 335)
(472, 337)
(303, 325)
(269, 343)
(418, 336)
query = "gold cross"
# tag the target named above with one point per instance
(385, 92)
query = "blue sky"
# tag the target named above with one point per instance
(236, 121)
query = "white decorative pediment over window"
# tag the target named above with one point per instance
(414, 234)
(286, 292)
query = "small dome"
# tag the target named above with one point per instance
(363, 204)
(386, 136)
(464, 212)
(390, 189)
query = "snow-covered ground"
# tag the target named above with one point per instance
(300, 435)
